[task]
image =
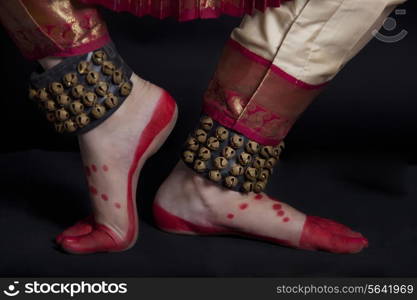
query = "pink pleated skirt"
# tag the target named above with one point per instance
(185, 10)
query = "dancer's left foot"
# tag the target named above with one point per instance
(113, 154)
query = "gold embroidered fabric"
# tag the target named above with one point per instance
(53, 27)
(43, 28)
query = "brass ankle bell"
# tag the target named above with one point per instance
(229, 158)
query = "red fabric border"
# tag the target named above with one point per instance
(260, 60)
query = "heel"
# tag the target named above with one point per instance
(168, 106)
(162, 125)
(166, 113)
(170, 223)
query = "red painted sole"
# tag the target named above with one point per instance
(173, 224)
(318, 233)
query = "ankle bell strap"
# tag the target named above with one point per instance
(229, 158)
(82, 91)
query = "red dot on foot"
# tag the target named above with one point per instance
(117, 205)
(87, 171)
(105, 168)
(243, 206)
(286, 220)
(93, 190)
(258, 197)
(230, 216)
(277, 206)
(280, 213)
(94, 167)
(104, 197)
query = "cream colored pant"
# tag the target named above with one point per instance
(312, 40)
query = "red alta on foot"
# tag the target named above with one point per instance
(323, 234)
(318, 233)
(88, 236)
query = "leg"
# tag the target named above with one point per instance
(271, 70)
(114, 152)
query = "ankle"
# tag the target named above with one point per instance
(205, 196)
(181, 186)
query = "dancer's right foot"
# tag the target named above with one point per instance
(113, 155)
(187, 203)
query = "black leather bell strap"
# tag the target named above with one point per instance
(229, 158)
(82, 91)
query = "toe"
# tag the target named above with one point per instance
(335, 227)
(82, 227)
(321, 234)
(98, 240)
(345, 244)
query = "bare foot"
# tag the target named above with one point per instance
(113, 155)
(187, 203)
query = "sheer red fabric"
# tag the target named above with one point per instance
(254, 97)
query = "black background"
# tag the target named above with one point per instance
(351, 157)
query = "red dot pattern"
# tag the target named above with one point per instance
(259, 197)
(280, 213)
(277, 206)
(243, 206)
